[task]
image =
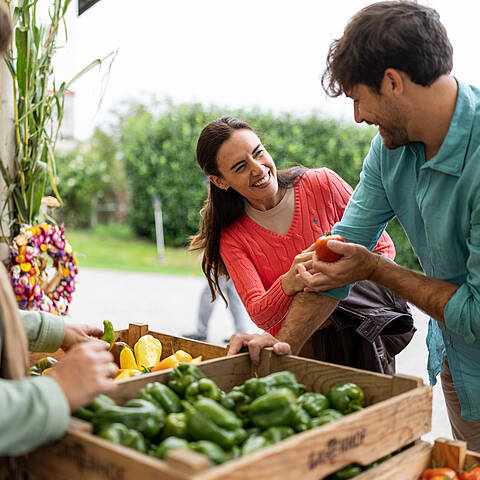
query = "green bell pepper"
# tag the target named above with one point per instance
(277, 434)
(215, 454)
(275, 408)
(162, 396)
(170, 443)
(256, 387)
(182, 376)
(138, 414)
(120, 434)
(254, 443)
(313, 403)
(346, 398)
(108, 333)
(327, 416)
(208, 420)
(303, 421)
(203, 388)
(175, 426)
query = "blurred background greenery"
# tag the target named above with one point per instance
(108, 182)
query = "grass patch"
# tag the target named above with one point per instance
(115, 247)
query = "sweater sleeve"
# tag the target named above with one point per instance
(45, 331)
(33, 411)
(341, 193)
(266, 307)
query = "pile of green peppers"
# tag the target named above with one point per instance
(192, 412)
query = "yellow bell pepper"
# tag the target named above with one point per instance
(169, 362)
(127, 358)
(183, 356)
(148, 351)
(196, 360)
(126, 373)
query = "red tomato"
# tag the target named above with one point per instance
(473, 474)
(323, 252)
(434, 473)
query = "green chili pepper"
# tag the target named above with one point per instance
(137, 413)
(108, 333)
(84, 414)
(182, 376)
(346, 398)
(327, 416)
(234, 399)
(175, 426)
(215, 454)
(203, 388)
(313, 403)
(162, 396)
(170, 443)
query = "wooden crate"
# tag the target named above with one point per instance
(398, 413)
(170, 344)
(409, 464)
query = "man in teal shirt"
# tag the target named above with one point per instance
(394, 60)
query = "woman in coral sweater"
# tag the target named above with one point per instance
(259, 223)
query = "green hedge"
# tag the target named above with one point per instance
(158, 143)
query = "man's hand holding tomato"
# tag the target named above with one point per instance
(355, 263)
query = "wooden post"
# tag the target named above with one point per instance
(7, 145)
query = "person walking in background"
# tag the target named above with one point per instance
(206, 306)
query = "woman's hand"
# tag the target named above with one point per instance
(291, 283)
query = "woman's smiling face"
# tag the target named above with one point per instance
(245, 166)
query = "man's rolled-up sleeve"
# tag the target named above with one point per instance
(462, 311)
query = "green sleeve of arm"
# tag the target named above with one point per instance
(32, 411)
(45, 332)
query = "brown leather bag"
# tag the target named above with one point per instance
(368, 329)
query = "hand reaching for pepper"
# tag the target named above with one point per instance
(78, 333)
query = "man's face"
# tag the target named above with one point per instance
(380, 110)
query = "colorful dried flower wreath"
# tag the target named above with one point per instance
(37, 284)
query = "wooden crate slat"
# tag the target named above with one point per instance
(407, 465)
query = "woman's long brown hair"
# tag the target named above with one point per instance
(222, 207)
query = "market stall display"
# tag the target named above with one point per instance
(397, 413)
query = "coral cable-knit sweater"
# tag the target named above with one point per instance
(257, 258)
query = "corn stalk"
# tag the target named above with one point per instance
(38, 109)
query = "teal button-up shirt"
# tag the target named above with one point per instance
(438, 204)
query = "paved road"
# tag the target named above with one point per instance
(169, 304)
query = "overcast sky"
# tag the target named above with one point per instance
(268, 53)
